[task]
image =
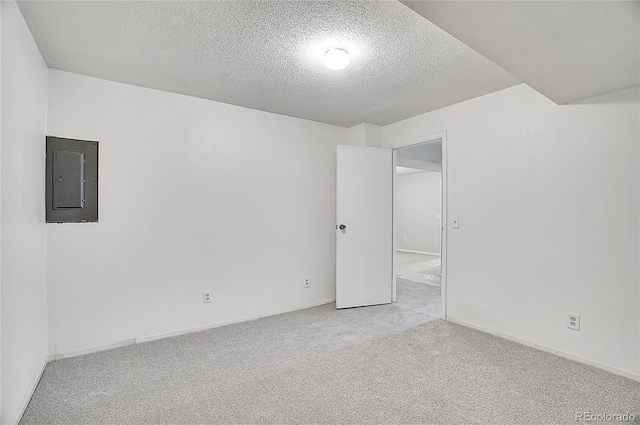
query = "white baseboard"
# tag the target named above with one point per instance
(418, 252)
(228, 322)
(33, 389)
(178, 332)
(621, 372)
(91, 350)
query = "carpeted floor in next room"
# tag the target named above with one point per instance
(391, 364)
(417, 267)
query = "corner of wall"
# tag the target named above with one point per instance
(23, 303)
(372, 135)
(365, 135)
(355, 135)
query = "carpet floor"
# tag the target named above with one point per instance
(423, 268)
(392, 364)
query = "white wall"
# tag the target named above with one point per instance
(547, 197)
(23, 255)
(417, 211)
(194, 195)
(0, 212)
(364, 134)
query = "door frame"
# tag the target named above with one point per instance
(431, 138)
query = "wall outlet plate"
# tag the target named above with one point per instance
(573, 321)
(455, 222)
(206, 297)
(306, 282)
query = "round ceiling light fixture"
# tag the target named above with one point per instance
(336, 59)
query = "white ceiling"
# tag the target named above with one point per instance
(268, 55)
(566, 50)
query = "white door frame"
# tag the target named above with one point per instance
(443, 210)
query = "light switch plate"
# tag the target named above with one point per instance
(455, 222)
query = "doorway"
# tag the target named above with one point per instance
(419, 233)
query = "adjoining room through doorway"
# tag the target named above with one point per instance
(418, 227)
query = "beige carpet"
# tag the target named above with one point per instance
(388, 364)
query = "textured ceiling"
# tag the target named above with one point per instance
(268, 55)
(566, 50)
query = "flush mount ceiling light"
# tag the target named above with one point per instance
(336, 59)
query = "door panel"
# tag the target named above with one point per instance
(364, 249)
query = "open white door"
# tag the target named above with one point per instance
(364, 243)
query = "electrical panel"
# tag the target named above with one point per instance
(72, 180)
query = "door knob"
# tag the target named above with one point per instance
(343, 227)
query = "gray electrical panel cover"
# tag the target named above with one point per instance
(72, 180)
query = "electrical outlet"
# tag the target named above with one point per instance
(206, 297)
(573, 321)
(306, 282)
(404, 239)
